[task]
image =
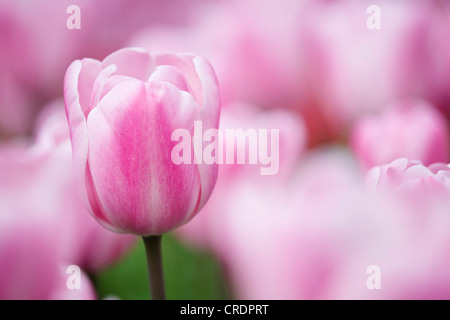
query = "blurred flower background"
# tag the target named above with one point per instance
(363, 116)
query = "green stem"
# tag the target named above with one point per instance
(154, 264)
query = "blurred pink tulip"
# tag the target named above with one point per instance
(420, 196)
(205, 230)
(122, 112)
(351, 69)
(421, 189)
(37, 46)
(87, 245)
(410, 129)
(42, 174)
(30, 264)
(320, 235)
(403, 173)
(438, 69)
(28, 259)
(251, 45)
(279, 241)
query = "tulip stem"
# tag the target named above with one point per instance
(154, 264)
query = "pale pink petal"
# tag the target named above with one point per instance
(171, 75)
(107, 86)
(99, 82)
(78, 82)
(209, 115)
(184, 63)
(417, 171)
(90, 69)
(436, 167)
(131, 62)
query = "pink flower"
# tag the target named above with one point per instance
(410, 129)
(122, 112)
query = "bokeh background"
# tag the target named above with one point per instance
(345, 97)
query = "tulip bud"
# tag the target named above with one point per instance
(121, 113)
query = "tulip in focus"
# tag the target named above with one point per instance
(122, 112)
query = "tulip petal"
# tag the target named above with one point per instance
(102, 77)
(78, 82)
(88, 73)
(107, 86)
(131, 62)
(210, 110)
(203, 82)
(209, 115)
(96, 207)
(139, 187)
(171, 75)
(183, 63)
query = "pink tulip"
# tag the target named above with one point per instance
(410, 129)
(121, 113)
